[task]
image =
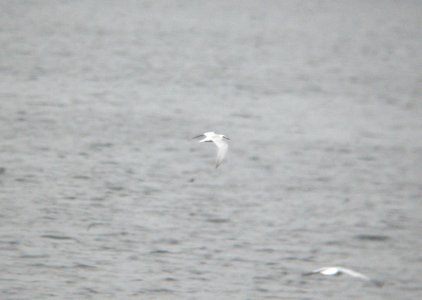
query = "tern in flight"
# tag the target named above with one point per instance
(336, 271)
(219, 141)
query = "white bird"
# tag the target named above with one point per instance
(336, 271)
(218, 140)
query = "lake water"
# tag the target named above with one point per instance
(104, 195)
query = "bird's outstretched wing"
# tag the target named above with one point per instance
(354, 273)
(222, 147)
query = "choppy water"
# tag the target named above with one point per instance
(103, 195)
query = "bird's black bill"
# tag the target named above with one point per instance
(226, 138)
(201, 135)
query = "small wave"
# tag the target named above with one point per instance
(84, 266)
(372, 237)
(218, 220)
(160, 251)
(59, 237)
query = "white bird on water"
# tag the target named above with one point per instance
(218, 140)
(336, 271)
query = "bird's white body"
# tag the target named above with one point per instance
(218, 140)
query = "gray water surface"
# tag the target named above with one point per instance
(103, 194)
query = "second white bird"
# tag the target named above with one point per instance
(336, 271)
